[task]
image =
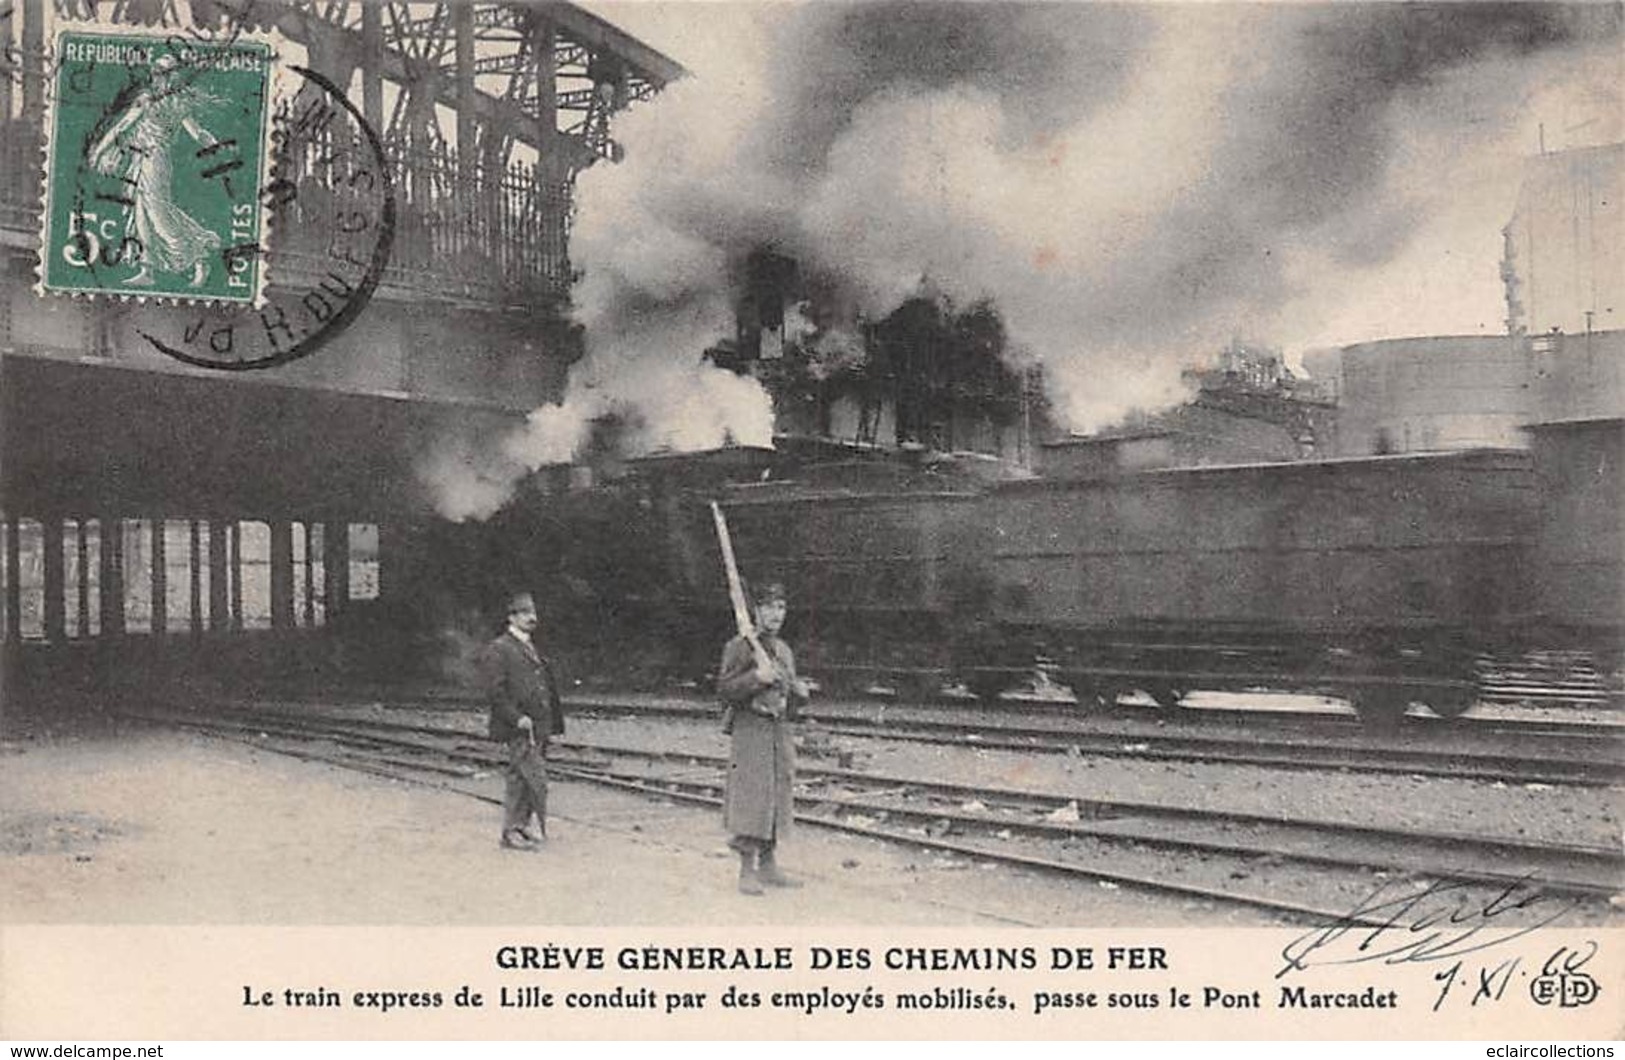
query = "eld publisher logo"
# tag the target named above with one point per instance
(1561, 980)
(1568, 989)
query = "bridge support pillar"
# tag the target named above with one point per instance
(195, 563)
(14, 583)
(112, 576)
(56, 626)
(82, 565)
(335, 567)
(160, 581)
(282, 617)
(234, 560)
(220, 577)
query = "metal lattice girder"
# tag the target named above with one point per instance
(591, 68)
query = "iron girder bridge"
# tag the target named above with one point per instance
(488, 111)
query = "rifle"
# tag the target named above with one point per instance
(736, 592)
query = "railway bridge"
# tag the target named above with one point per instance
(160, 514)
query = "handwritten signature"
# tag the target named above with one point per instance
(1443, 921)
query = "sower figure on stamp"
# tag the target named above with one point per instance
(760, 697)
(138, 148)
(525, 713)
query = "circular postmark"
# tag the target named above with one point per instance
(246, 199)
(332, 202)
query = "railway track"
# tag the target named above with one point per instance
(1298, 868)
(1499, 750)
(1053, 706)
(1569, 763)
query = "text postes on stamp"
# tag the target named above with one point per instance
(332, 202)
(157, 163)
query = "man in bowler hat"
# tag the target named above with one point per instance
(761, 698)
(525, 713)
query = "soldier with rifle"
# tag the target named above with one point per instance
(761, 696)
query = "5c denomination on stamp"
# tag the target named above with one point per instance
(158, 159)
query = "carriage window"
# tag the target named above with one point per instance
(81, 577)
(309, 599)
(177, 575)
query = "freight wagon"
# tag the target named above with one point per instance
(1380, 579)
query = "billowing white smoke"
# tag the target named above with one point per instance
(1132, 185)
(466, 479)
(552, 433)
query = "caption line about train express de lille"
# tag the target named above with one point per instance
(592, 978)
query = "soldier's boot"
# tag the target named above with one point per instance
(771, 874)
(749, 882)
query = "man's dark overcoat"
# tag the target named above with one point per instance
(518, 680)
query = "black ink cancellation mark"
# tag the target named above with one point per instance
(315, 180)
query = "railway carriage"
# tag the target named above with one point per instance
(1381, 579)
(874, 567)
(1578, 554)
(1385, 580)
(1579, 545)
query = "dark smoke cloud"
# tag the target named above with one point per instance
(1037, 61)
(1130, 183)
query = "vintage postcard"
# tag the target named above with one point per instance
(810, 520)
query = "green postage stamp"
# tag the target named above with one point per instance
(157, 158)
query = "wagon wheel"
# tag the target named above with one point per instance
(1166, 696)
(1090, 694)
(918, 687)
(1450, 703)
(1108, 694)
(1381, 708)
(986, 686)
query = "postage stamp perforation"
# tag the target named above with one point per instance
(149, 159)
(190, 53)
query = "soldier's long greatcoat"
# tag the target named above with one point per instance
(759, 802)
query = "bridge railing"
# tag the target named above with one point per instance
(21, 176)
(492, 236)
